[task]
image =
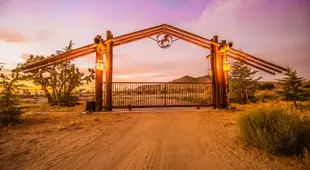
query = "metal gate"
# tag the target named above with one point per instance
(161, 94)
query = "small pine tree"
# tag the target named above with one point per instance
(292, 86)
(306, 93)
(242, 83)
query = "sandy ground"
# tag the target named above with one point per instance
(166, 139)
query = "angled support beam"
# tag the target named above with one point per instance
(135, 38)
(66, 58)
(250, 64)
(60, 56)
(255, 62)
(258, 59)
(188, 39)
(133, 34)
(192, 35)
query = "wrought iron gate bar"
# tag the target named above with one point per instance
(161, 94)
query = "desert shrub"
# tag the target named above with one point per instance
(273, 130)
(60, 79)
(197, 100)
(10, 116)
(266, 86)
(266, 95)
(68, 100)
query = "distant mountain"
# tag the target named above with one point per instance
(205, 78)
(187, 78)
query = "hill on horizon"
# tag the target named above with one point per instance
(187, 78)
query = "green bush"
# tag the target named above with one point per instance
(10, 116)
(273, 130)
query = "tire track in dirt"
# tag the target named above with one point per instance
(121, 153)
(165, 140)
(65, 144)
(96, 146)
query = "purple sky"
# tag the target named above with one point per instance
(274, 30)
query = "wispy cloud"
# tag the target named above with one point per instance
(10, 36)
(25, 56)
(274, 30)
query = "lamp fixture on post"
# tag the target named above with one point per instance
(210, 72)
(226, 66)
(100, 49)
(100, 65)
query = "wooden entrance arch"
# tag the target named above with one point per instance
(219, 51)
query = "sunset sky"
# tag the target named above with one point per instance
(275, 30)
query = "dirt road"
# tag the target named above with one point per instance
(164, 140)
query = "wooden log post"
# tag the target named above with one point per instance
(217, 76)
(224, 78)
(212, 58)
(226, 88)
(109, 71)
(99, 71)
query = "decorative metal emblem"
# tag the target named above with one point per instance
(164, 40)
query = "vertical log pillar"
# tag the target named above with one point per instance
(217, 76)
(109, 71)
(225, 84)
(99, 72)
(225, 77)
(214, 97)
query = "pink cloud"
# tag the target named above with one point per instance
(25, 56)
(11, 36)
(273, 30)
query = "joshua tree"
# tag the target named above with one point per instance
(60, 80)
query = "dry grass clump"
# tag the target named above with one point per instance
(10, 116)
(273, 130)
(302, 109)
(48, 108)
(307, 159)
(267, 95)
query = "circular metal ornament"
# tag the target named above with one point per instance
(164, 40)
